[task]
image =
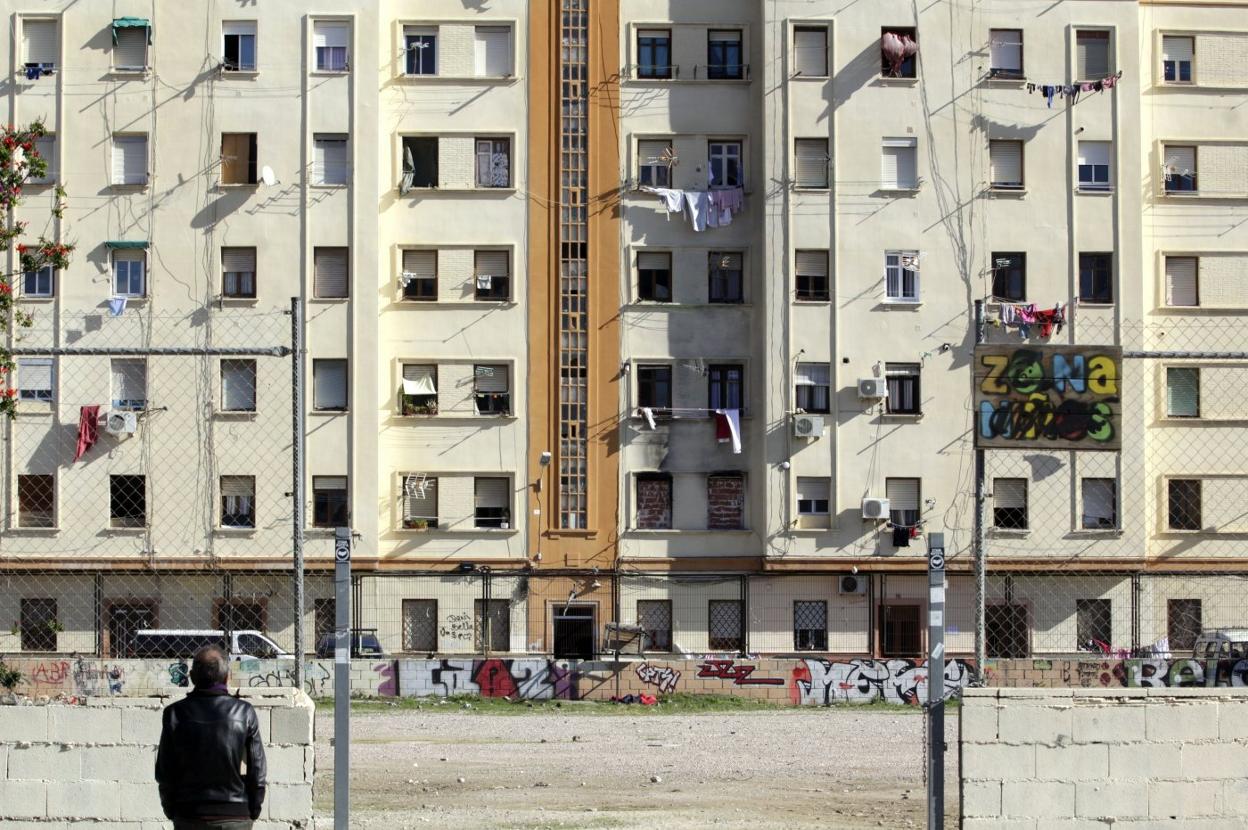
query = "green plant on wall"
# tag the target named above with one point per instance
(9, 677)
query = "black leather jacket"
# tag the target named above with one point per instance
(205, 738)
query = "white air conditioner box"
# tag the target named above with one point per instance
(873, 508)
(121, 423)
(808, 426)
(872, 388)
(853, 585)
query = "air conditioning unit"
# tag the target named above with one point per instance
(853, 585)
(874, 508)
(872, 388)
(121, 423)
(807, 426)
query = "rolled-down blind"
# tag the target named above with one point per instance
(812, 162)
(129, 159)
(1006, 158)
(330, 278)
(1094, 152)
(1176, 48)
(424, 264)
(492, 50)
(903, 493)
(329, 34)
(812, 263)
(238, 485)
(1183, 391)
(130, 48)
(420, 497)
(329, 163)
(46, 148)
(39, 41)
(1180, 160)
(1098, 498)
(35, 373)
(810, 51)
(129, 380)
(1009, 492)
(491, 492)
(898, 167)
(329, 384)
(1091, 55)
(235, 260)
(652, 261)
(1181, 285)
(490, 378)
(490, 264)
(1006, 50)
(329, 482)
(238, 385)
(420, 379)
(811, 374)
(813, 488)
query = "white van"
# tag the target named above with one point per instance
(179, 643)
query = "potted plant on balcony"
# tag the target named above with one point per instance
(415, 524)
(412, 406)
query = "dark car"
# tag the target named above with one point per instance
(364, 643)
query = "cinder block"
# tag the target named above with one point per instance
(289, 802)
(1196, 721)
(84, 725)
(998, 762)
(1211, 761)
(1111, 722)
(1112, 799)
(1038, 799)
(1150, 761)
(23, 799)
(140, 802)
(44, 762)
(1078, 762)
(24, 723)
(1033, 724)
(291, 726)
(286, 764)
(981, 798)
(264, 718)
(999, 824)
(978, 721)
(118, 763)
(1184, 799)
(140, 726)
(36, 825)
(1232, 719)
(84, 799)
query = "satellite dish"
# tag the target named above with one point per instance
(267, 176)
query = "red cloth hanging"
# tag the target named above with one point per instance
(88, 429)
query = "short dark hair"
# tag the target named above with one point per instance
(209, 667)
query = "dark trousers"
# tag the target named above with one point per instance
(216, 824)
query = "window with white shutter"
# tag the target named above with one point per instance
(238, 273)
(899, 164)
(329, 39)
(329, 385)
(1176, 59)
(330, 273)
(811, 269)
(238, 501)
(1005, 53)
(39, 43)
(492, 388)
(129, 376)
(492, 497)
(238, 45)
(45, 146)
(35, 378)
(903, 501)
(1091, 55)
(493, 162)
(1009, 503)
(420, 275)
(813, 502)
(1095, 170)
(419, 395)
(130, 159)
(1005, 158)
(130, 44)
(492, 275)
(492, 51)
(1182, 281)
(420, 502)
(329, 161)
(1182, 392)
(238, 385)
(811, 157)
(810, 51)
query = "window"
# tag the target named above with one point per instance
(901, 276)
(1094, 625)
(1183, 623)
(654, 163)
(903, 501)
(329, 501)
(727, 284)
(420, 46)
(492, 388)
(238, 273)
(1009, 503)
(131, 37)
(654, 616)
(420, 275)
(36, 500)
(238, 158)
(127, 501)
(1096, 278)
(39, 283)
(1182, 392)
(654, 387)
(1006, 631)
(903, 389)
(420, 502)
(39, 625)
(1183, 504)
(725, 501)
(244, 615)
(1100, 504)
(420, 625)
(725, 386)
(899, 49)
(239, 45)
(723, 54)
(129, 159)
(420, 162)
(810, 625)
(1182, 281)
(238, 501)
(724, 628)
(45, 147)
(1176, 59)
(654, 276)
(814, 387)
(330, 41)
(491, 629)
(1095, 172)
(899, 166)
(654, 53)
(238, 385)
(654, 501)
(1180, 168)
(329, 162)
(128, 273)
(420, 389)
(1005, 53)
(810, 51)
(1005, 160)
(902, 636)
(39, 43)
(331, 273)
(812, 162)
(813, 500)
(812, 276)
(492, 275)
(129, 383)
(1091, 55)
(36, 378)
(726, 165)
(493, 162)
(329, 385)
(1009, 276)
(492, 51)
(492, 502)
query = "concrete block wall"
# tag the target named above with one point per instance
(67, 764)
(1074, 758)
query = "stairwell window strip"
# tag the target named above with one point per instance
(329, 41)
(239, 45)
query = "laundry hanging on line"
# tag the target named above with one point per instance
(1073, 91)
(1048, 321)
(728, 428)
(705, 208)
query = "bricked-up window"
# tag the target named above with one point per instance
(654, 386)
(654, 501)
(127, 501)
(724, 625)
(725, 501)
(1183, 623)
(1005, 630)
(901, 635)
(39, 624)
(420, 625)
(491, 625)
(1009, 503)
(655, 618)
(36, 500)
(810, 625)
(1183, 504)
(1094, 624)
(238, 158)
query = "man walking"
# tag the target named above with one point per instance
(204, 741)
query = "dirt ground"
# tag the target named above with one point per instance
(843, 767)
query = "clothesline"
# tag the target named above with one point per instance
(1073, 91)
(1049, 321)
(706, 208)
(727, 422)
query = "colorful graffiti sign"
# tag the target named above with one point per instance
(738, 673)
(1048, 397)
(824, 682)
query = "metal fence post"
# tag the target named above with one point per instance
(979, 554)
(297, 476)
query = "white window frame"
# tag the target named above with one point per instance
(1177, 61)
(806, 54)
(322, 145)
(231, 365)
(725, 151)
(125, 177)
(896, 276)
(901, 148)
(48, 273)
(324, 365)
(1094, 155)
(131, 370)
(242, 27)
(131, 255)
(321, 61)
(816, 151)
(36, 392)
(421, 30)
(1169, 285)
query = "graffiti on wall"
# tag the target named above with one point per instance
(1055, 397)
(527, 679)
(823, 682)
(664, 677)
(739, 673)
(265, 675)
